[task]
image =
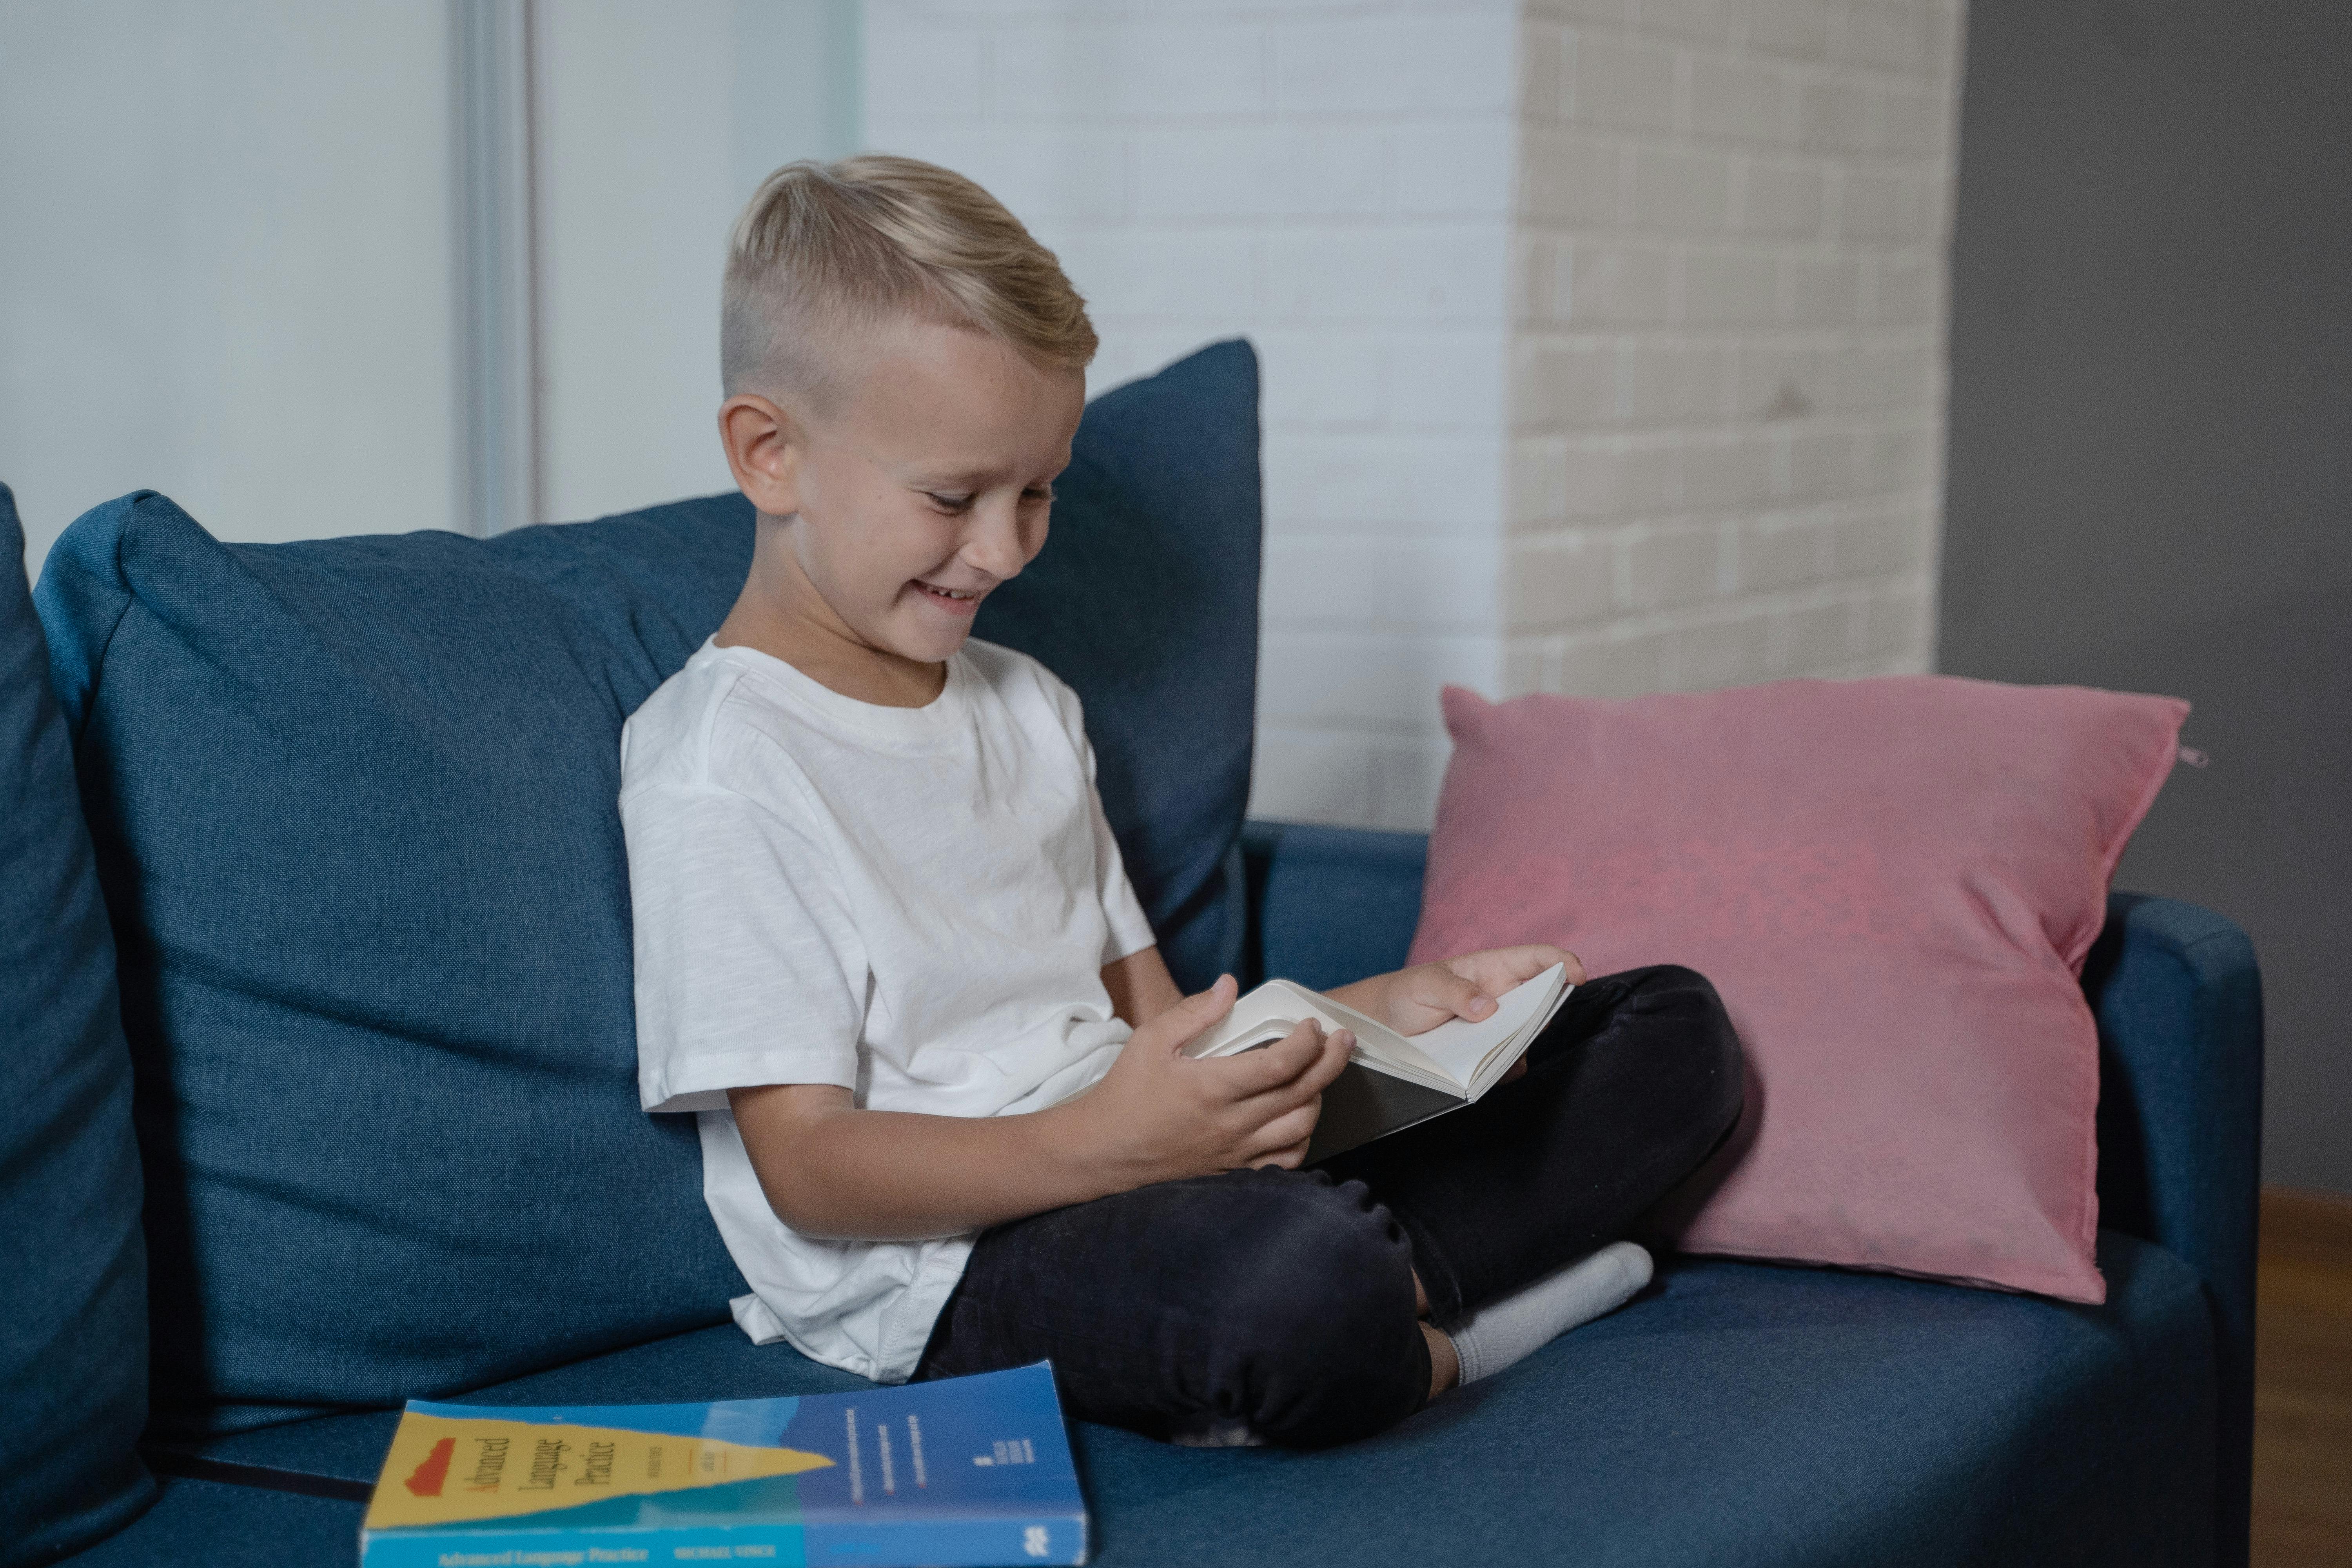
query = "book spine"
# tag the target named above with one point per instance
(1053, 1539)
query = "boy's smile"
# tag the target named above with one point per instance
(887, 517)
(952, 601)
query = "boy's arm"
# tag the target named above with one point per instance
(830, 1170)
(1140, 987)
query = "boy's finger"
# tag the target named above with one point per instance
(1312, 1079)
(1448, 992)
(1272, 1068)
(1532, 960)
(1331, 1064)
(1280, 1063)
(1288, 1131)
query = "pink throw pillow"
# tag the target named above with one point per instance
(1891, 883)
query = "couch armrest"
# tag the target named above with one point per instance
(1328, 905)
(2180, 1003)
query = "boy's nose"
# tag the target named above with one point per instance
(996, 544)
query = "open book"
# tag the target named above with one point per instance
(1393, 1081)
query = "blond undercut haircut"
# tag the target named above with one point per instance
(827, 252)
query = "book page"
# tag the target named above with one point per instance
(1263, 1016)
(1278, 1007)
(1394, 1081)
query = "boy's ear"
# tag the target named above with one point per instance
(764, 447)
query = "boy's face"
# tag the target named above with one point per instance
(928, 485)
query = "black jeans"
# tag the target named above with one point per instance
(1283, 1300)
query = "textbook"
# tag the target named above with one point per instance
(966, 1472)
(1393, 1081)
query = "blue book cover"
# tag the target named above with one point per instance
(967, 1472)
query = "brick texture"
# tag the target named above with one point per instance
(1727, 354)
(1602, 339)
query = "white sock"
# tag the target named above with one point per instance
(1501, 1333)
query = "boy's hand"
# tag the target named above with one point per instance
(1412, 1000)
(1158, 1115)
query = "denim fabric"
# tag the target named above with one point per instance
(353, 805)
(1281, 1301)
(1272, 1300)
(73, 1380)
(1144, 600)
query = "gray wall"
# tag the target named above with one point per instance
(2151, 481)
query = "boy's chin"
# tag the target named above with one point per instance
(922, 642)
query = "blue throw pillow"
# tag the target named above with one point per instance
(73, 1375)
(353, 802)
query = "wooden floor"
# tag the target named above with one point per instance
(2302, 1383)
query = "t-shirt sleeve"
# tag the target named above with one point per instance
(1128, 929)
(749, 970)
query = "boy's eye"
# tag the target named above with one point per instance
(964, 503)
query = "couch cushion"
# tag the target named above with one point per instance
(1735, 1412)
(73, 1383)
(354, 808)
(199, 1523)
(353, 803)
(1745, 1413)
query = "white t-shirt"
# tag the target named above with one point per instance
(913, 903)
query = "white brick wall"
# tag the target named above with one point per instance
(1728, 382)
(1602, 338)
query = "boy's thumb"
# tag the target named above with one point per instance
(1460, 995)
(1204, 1008)
(1215, 1000)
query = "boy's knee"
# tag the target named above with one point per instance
(1311, 1258)
(1316, 1340)
(1696, 1061)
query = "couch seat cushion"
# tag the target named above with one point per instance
(1737, 1413)
(210, 1524)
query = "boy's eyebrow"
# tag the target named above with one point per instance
(975, 479)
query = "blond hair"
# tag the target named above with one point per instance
(826, 250)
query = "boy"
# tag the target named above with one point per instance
(886, 949)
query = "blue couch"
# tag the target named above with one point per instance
(272, 783)
(1736, 1414)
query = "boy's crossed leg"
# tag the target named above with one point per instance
(1288, 1305)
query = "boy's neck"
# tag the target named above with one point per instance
(780, 614)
